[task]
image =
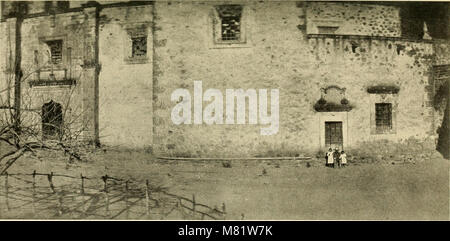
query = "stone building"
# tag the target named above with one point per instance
(348, 73)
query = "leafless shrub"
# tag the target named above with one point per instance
(21, 123)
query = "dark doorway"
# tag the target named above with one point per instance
(442, 98)
(52, 120)
(333, 134)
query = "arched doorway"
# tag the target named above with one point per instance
(52, 120)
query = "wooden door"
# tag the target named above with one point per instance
(333, 134)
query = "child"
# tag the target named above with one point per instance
(330, 158)
(343, 158)
(336, 157)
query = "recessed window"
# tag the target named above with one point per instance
(441, 73)
(55, 48)
(231, 28)
(139, 47)
(135, 43)
(230, 22)
(383, 117)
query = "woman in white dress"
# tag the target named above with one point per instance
(343, 158)
(330, 159)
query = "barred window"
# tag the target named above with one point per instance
(230, 28)
(139, 47)
(55, 51)
(383, 117)
(230, 16)
(441, 74)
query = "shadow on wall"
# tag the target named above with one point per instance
(443, 145)
(435, 15)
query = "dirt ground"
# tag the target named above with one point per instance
(280, 190)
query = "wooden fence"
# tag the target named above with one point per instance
(35, 195)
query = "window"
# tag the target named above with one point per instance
(383, 113)
(327, 29)
(139, 47)
(231, 29)
(441, 74)
(230, 22)
(135, 46)
(437, 94)
(324, 26)
(383, 117)
(55, 48)
(229, 26)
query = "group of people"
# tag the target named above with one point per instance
(336, 158)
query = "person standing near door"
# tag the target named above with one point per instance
(330, 158)
(343, 158)
(336, 156)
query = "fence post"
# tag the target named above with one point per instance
(193, 205)
(50, 180)
(127, 209)
(34, 191)
(82, 194)
(107, 204)
(147, 198)
(6, 192)
(105, 182)
(105, 189)
(82, 184)
(60, 202)
(180, 206)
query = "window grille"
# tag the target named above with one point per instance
(55, 51)
(230, 16)
(139, 47)
(383, 117)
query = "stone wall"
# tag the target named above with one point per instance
(281, 55)
(129, 102)
(125, 85)
(7, 40)
(77, 98)
(112, 100)
(354, 18)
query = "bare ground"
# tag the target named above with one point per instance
(281, 190)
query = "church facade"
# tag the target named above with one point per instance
(348, 74)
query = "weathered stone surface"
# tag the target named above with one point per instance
(298, 66)
(125, 88)
(282, 50)
(76, 99)
(355, 19)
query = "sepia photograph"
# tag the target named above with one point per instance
(224, 110)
